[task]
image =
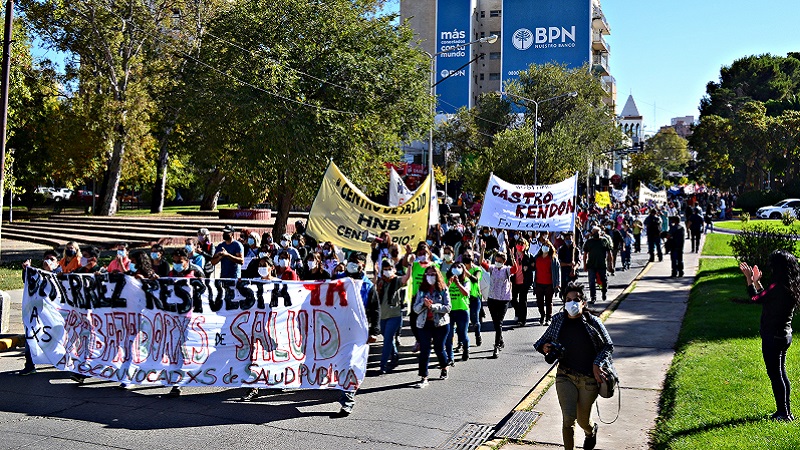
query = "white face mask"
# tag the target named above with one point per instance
(457, 271)
(263, 271)
(422, 258)
(448, 257)
(545, 249)
(388, 273)
(283, 263)
(499, 264)
(311, 265)
(51, 263)
(431, 279)
(516, 237)
(573, 308)
(284, 243)
(262, 255)
(351, 267)
(84, 261)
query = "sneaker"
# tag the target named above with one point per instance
(452, 363)
(591, 301)
(423, 383)
(494, 352)
(253, 394)
(782, 417)
(341, 414)
(502, 344)
(541, 321)
(458, 347)
(547, 321)
(28, 371)
(416, 347)
(443, 376)
(174, 392)
(590, 441)
(78, 378)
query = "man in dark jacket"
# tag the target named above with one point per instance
(652, 225)
(695, 222)
(568, 257)
(596, 259)
(677, 235)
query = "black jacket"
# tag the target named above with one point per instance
(776, 315)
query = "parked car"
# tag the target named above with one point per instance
(43, 190)
(60, 194)
(776, 211)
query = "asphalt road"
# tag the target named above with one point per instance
(47, 410)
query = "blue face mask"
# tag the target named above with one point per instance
(132, 267)
(189, 249)
(121, 253)
(251, 241)
(295, 243)
(177, 267)
(154, 255)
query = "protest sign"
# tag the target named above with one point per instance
(646, 195)
(528, 207)
(399, 193)
(602, 199)
(342, 214)
(619, 195)
(198, 332)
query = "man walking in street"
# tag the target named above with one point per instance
(652, 225)
(596, 259)
(695, 222)
(677, 235)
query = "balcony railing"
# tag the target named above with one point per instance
(599, 20)
(599, 43)
(600, 63)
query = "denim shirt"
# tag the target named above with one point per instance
(441, 308)
(597, 332)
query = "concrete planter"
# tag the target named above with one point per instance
(245, 214)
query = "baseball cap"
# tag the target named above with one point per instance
(229, 229)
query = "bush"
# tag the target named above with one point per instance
(755, 243)
(787, 218)
(744, 217)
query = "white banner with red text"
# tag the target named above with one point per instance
(528, 207)
(198, 332)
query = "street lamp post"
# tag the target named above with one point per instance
(432, 85)
(536, 126)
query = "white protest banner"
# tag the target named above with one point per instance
(198, 332)
(524, 207)
(646, 195)
(619, 194)
(399, 193)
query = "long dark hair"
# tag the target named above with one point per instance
(786, 273)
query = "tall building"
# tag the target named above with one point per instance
(683, 125)
(570, 32)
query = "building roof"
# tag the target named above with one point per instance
(630, 109)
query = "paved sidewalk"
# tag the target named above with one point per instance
(644, 329)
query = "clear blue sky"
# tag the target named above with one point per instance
(665, 53)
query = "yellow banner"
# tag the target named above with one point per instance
(602, 199)
(342, 214)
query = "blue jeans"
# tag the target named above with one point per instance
(475, 313)
(458, 320)
(592, 274)
(389, 328)
(432, 336)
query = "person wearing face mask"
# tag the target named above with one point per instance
(71, 259)
(523, 280)
(50, 264)
(141, 266)
(417, 263)
(160, 267)
(299, 244)
(252, 245)
(568, 259)
(391, 293)
(89, 258)
(181, 268)
(584, 365)
(475, 275)
(294, 256)
(314, 269)
(432, 307)
(487, 238)
(195, 258)
(547, 280)
(447, 260)
(499, 296)
(617, 243)
(379, 250)
(121, 262)
(251, 270)
(205, 248)
(355, 269)
(460, 287)
(283, 269)
(229, 254)
(330, 258)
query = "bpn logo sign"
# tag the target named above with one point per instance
(453, 73)
(522, 39)
(543, 37)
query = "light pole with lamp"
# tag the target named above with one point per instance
(484, 40)
(536, 126)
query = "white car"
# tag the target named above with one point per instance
(776, 211)
(59, 194)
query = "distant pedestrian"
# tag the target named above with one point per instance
(596, 259)
(499, 296)
(432, 305)
(779, 300)
(652, 224)
(677, 235)
(695, 223)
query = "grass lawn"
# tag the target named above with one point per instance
(776, 224)
(718, 244)
(168, 210)
(717, 394)
(11, 276)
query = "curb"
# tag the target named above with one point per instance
(543, 385)
(10, 342)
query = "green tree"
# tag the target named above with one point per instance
(665, 152)
(290, 85)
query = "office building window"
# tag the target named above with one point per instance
(481, 77)
(494, 76)
(494, 13)
(483, 14)
(483, 55)
(483, 34)
(494, 55)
